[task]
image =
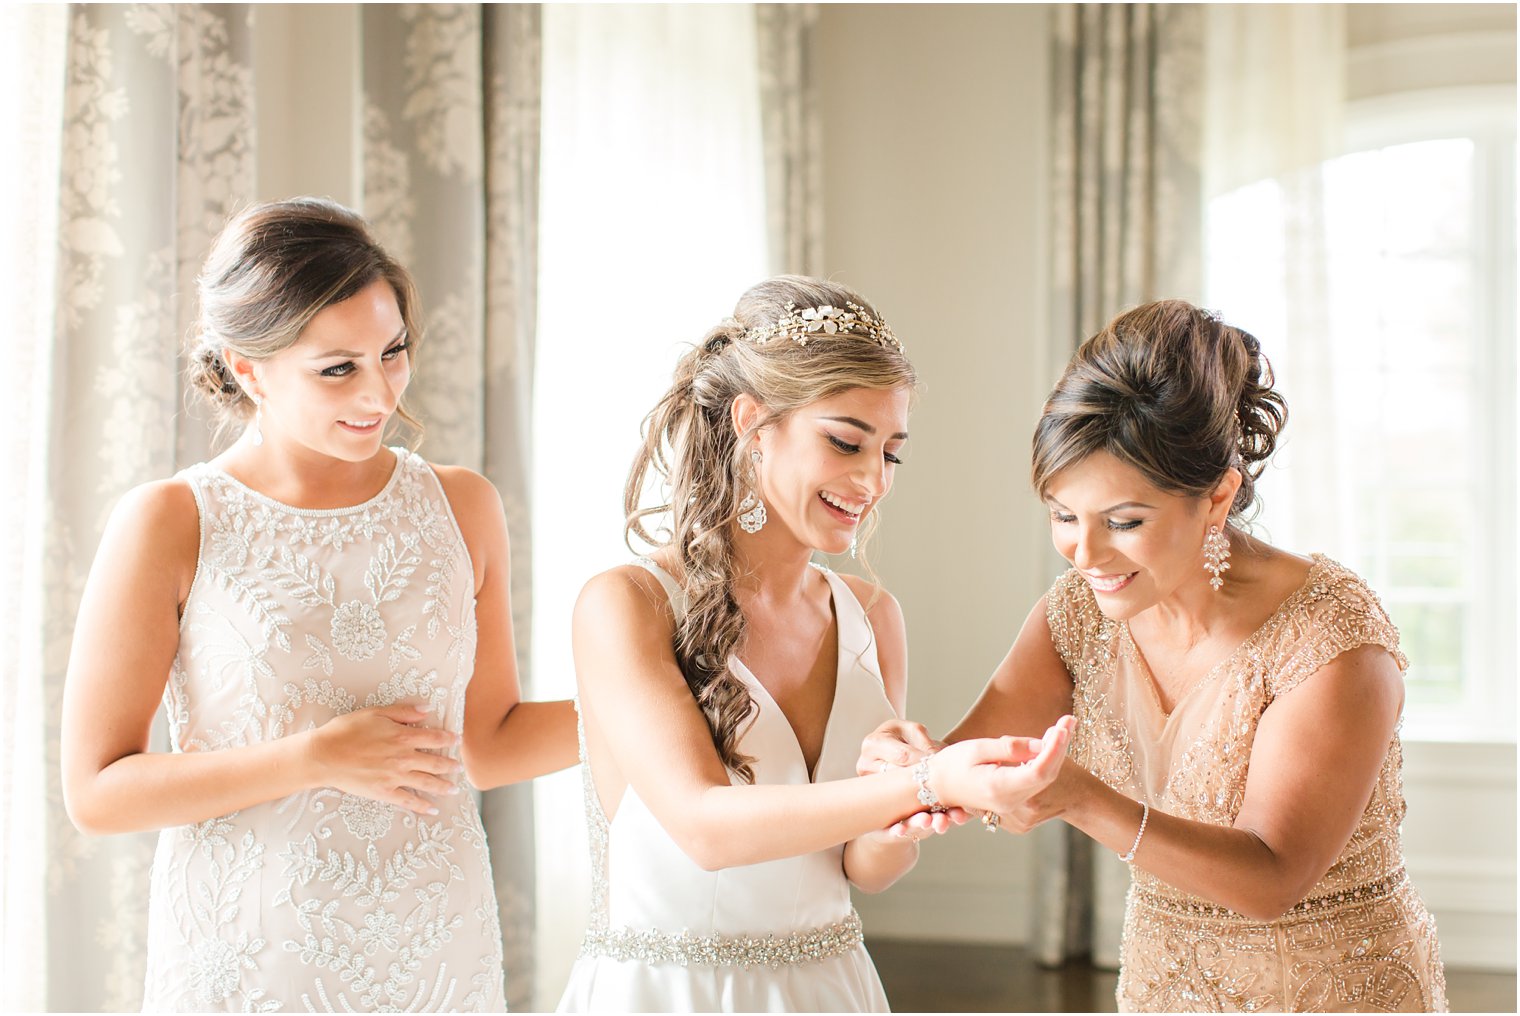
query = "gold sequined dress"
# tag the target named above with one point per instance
(1362, 939)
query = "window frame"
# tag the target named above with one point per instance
(1486, 115)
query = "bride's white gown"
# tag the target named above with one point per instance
(780, 936)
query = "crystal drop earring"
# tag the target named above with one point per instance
(1216, 556)
(752, 510)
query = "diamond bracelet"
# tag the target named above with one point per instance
(926, 795)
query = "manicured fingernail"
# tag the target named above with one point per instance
(432, 811)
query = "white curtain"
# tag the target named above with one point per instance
(653, 222)
(1126, 227)
(1270, 125)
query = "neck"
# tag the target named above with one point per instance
(770, 564)
(298, 476)
(1195, 610)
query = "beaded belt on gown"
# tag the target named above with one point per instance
(1365, 892)
(685, 949)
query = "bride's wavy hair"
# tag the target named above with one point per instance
(691, 443)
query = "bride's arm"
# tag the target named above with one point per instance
(633, 693)
(876, 860)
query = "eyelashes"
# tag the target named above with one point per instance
(347, 367)
(1118, 527)
(851, 449)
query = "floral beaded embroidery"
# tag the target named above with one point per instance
(1361, 939)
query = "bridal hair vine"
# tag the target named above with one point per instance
(801, 326)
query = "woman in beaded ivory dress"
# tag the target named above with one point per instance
(725, 683)
(311, 606)
(1237, 706)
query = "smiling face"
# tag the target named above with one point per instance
(334, 389)
(824, 467)
(1135, 544)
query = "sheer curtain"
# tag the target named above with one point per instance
(653, 221)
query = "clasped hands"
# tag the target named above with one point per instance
(1013, 778)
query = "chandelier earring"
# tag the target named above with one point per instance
(257, 436)
(1216, 556)
(752, 510)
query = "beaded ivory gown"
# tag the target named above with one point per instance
(323, 900)
(1362, 939)
(779, 936)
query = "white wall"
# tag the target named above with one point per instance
(935, 128)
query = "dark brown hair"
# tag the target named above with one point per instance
(273, 268)
(689, 441)
(1171, 390)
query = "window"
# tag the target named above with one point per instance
(1393, 336)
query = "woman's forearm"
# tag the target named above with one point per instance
(728, 826)
(152, 790)
(532, 740)
(1232, 867)
(875, 861)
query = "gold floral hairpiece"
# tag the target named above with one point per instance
(802, 325)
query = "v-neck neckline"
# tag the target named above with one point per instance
(1149, 676)
(828, 722)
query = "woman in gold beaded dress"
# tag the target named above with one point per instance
(1237, 705)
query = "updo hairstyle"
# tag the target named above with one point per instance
(690, 442)
(273, 268)
(1171, 390)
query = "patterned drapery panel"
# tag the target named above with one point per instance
(1126, 227)
(792, 134)
(1126, 199)
(451, 106)
(157, 146)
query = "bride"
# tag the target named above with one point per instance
(725, 683)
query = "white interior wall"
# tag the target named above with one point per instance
(935, 135)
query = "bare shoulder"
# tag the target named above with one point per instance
(152, 540)
(625, 593)
(469, 493)
(881, 607)
(161, 513)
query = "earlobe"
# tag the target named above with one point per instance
(244, 370)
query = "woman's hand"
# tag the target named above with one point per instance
(1001, 774)
(378, 753)
(923, 824)
(894, 743)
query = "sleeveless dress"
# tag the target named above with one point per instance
(1361, 940)
(323, 901)
(779, 936)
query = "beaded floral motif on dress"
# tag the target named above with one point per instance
(295, 617)
(1362, 940)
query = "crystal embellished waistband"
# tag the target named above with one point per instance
(1366, 892)
(685, 949)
